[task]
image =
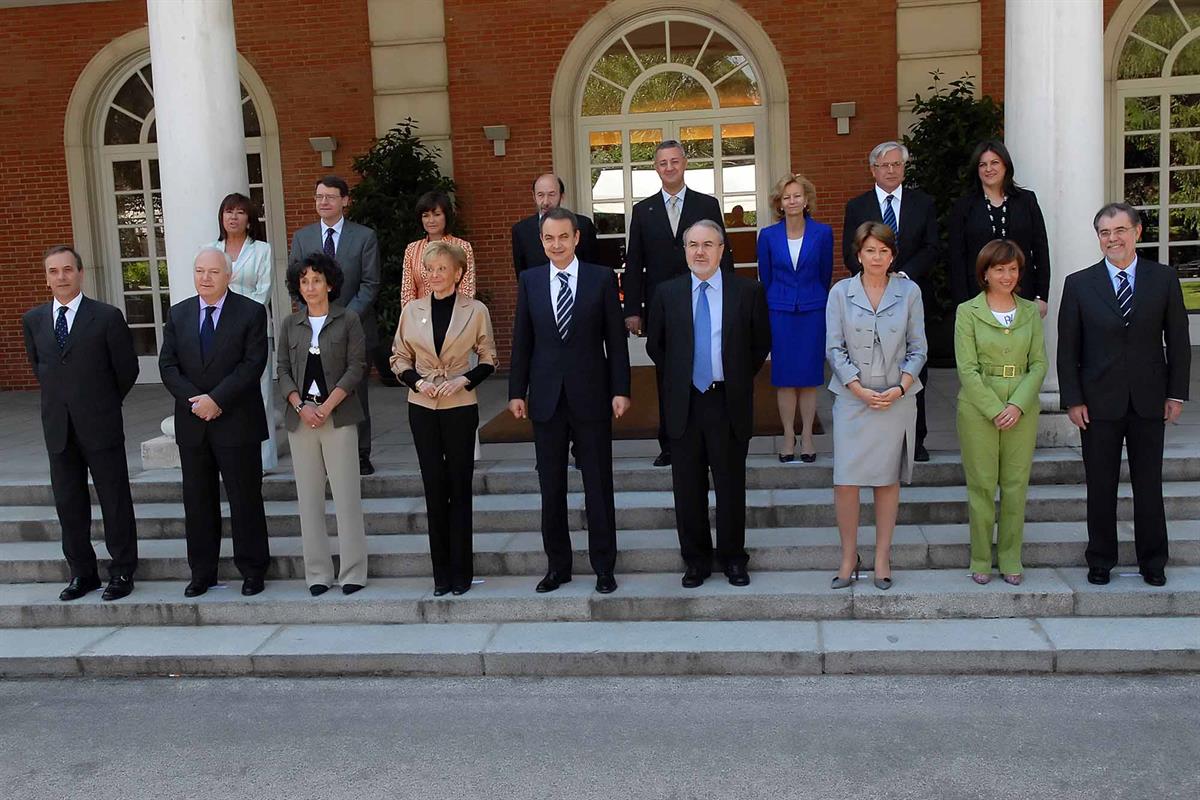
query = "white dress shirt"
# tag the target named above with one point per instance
(72, 308)
(1130, 272)
(881, 196)
(337, 232)
(572, 271)
(715, 307)
(216, 314)
(666, 196)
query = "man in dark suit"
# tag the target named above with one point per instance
(709, 332)
(213, 352)
(1120, 384)
(913, 216)
(569, 356)
(548, 191)
(82, 354)
(655, 252)
(356, 250)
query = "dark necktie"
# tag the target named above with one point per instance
(208, 331)
(566, 301)
(60, 327)
(329, 249)
(889, 215)
(702, 372)
(1124, 296)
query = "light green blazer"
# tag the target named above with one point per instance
(981, 344)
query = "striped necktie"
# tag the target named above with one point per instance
(889, 215)
(566, 302)
(1124, 296)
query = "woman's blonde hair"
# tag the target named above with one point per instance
(441, 247)
(806, 186)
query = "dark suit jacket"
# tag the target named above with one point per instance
(745, 343)
(591, 366)
(806, 286)
(229, 375)
(655, 254)
(971, 228)
(85, 383)
(358, 256)
(527, 243)
(1106, 365)
(918, 240)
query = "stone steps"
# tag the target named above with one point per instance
(1047, 544)
(831, 647)
(765, 508)
(1051, 466)
(771, 596)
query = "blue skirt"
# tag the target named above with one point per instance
(798, 348)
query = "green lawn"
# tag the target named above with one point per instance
(1191, 295)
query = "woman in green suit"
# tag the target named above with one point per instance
(1000, 350)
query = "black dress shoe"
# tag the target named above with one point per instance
(252, 586)
(920, 453)
(351, 588)
(737, 574)
(663, 460)
(693, 578)
(808, 458)
(318, 589)
(439, 590)
(198, 586)
(606, 584)
(1098, 576)
(1155, 578)
(461, 589)
(78, 587)
(365, 467)
(786, 458)
(118, 586)
(552, 581)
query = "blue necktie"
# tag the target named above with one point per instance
(329, 249)
(60, 327)
(566, 301)
(702, 373)
(889, 215)
(208, 331)
(1124, 296)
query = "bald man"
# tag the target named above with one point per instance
(548, 191)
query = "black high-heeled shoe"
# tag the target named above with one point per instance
(841, 583)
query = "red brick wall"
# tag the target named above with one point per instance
(45, 50)
(832, 51)
(991, 51)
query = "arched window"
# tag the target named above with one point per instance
(673, 76)
(132, 206)
(1158, 106)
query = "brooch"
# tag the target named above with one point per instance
(316, 351)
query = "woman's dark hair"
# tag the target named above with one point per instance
(994, 146)
(437, 199)
(996, 252)
(254, 228)
(876, 230)
(320, 263)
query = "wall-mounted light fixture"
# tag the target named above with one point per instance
(497, 135)
(325, 145)
(842, 112)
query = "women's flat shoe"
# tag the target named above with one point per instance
(786, 458)
(808, 458)
(318, 589)
(982, 578)
(351, 588)
(1014, 579)
(438, 591)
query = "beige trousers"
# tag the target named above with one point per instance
(316, 454)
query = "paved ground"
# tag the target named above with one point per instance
(927, 738)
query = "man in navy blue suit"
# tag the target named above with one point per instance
(570, 359)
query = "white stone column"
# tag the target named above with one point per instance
(201, 145)
(1054, 128)
(197, 104)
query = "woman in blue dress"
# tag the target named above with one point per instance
(795, 264)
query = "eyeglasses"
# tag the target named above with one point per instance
(331, 197)
(1114, 233)
(703, 245)
(890, 165)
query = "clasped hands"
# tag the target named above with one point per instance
(444, 389)
(1007, 418)
(620, 404)
(205, 407)
(879, 401)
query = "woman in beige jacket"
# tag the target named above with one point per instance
(431, 354)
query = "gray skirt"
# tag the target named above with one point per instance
(872, 447)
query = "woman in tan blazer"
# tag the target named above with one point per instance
(437, 217)
(431, 354)
(321, 359)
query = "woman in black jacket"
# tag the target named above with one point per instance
(995, 207)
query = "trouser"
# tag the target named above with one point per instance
(922, 428)
(1143, 439)
(364, 426)
(110, 474)
(331, 452)
(709, 443)
(664, 441)
(240, 468)
(445, 442)
(992, 458)
(593, 447)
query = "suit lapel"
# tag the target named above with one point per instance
(891, 295)
(43, 328)
(225, 323)
(459, 317)
(729, 312)
(657, 210)
(857, 295)
(1104, 287)
(83, 318)
(343, 244)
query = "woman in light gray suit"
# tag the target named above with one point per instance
(875, 345)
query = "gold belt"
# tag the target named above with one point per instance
(1002, 371)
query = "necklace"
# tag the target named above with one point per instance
(999, 231)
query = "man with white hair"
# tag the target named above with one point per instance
(912, 215)
(214, 350)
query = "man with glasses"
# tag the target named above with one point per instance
(1120, 385)
(356, 250)
(913, 216)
